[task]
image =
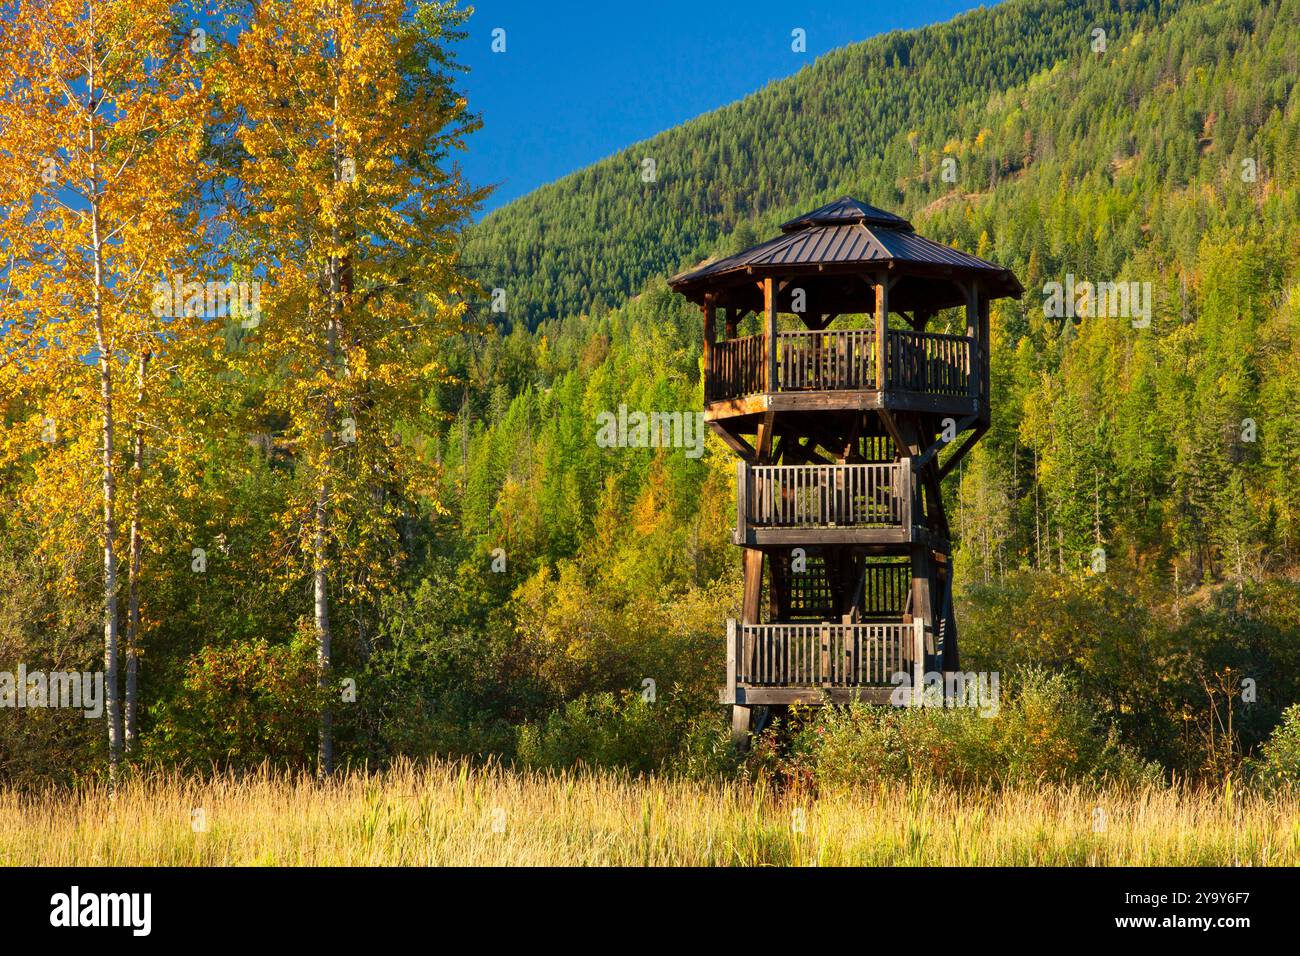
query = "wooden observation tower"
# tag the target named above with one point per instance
(838, 408)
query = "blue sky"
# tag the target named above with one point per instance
(579, 81)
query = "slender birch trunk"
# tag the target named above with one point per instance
(320, 556)
(320, 575)
(320, 582)
(133, 583)
(320, 566)
(111, 697)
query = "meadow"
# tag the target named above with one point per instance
(445, 813)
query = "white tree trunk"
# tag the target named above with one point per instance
(320, 585)
(111, 703)
(133, 585)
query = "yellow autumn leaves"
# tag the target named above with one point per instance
(298, 146)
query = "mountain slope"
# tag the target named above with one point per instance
(596, 236)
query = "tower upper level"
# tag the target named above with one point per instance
(846, 258)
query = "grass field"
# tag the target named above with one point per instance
(454, 814)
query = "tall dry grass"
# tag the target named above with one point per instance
(457, 814)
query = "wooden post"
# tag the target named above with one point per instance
(753, 559)
(763, 439)
(740, 714)
(918, 661)
(708, 346)
(769, 332)
(850, 638)
(985, 347)
(972, 332)
(729, 331)
(824, 641)
(922, 591)
(740, 723)
(731, 661)
(882, 330)
(742, 500)
(948, 659)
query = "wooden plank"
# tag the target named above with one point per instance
(972, 332)
(922, 600)
(790, 537)
(891, 426)
(753, 567)
(848, 400)
(963, 449)
(763, 440)
(757, 696)
(740, 724)
(939, 443)
(736, 407)
(955, 405)
(951, 653)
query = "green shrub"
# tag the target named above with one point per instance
(1278, 766)
(242, 705)
(672, 735)
(437, 678)
(1043, 733)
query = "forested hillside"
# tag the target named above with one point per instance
(1170, 159)
(867, 119)
(540, 576)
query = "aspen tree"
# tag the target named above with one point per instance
(100, 127)
(344, 113)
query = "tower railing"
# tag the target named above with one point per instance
(820, 361)
(735, 368)
(929, 362)
(823, 496)
(797, 504)
(932, 363)
(822, 655)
